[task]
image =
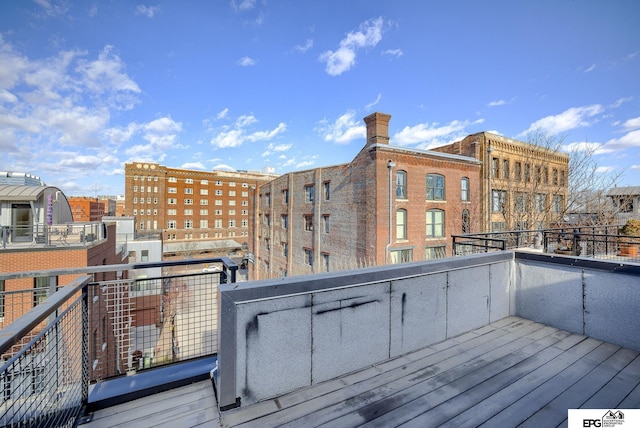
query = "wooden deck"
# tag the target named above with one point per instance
(512, 372)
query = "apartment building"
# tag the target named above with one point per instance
(388, 205)
(194, 210)
(524, 186)
(85, 208)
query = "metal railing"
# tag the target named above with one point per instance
(589, 241)
(93, 329)
(68, 234)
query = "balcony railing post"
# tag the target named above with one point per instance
(85, 344)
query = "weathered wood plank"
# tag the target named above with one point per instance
(390, 384)
(452, 397)
(573, 397)
(529, 404)
(488, 407)
(615, 391)
(291, 407)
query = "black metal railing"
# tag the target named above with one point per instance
(589, 241)
(92, 329)
(68, 234)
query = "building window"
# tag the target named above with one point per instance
(217, 224)
(554, 176)
(495, 167)
(401, 256)
(505, 168)
(172, 201)
(435, 224)
(188, 224)
(401, 185)
(188, 191)
(144, 256)
(327, 190)
(527, 172)
(466, 221)
(520, 202)
(562, 173)
(204, 201)
(267, 197)
(435, 187)
(285, 221)
(267, 220)
(232, 223)
(541, 202)
(188, 211)
(465, 189)
(558, 203)
(285, 196)
(518, 171)
(188, 201)
(218, 192)
(308, 193)
(308, 256)
(285, 249)
(267, 243)
(2, 290)
(41, 289)
(172, 180)
(172, 224)
(204, 224)
(188, 180)
(204, 191)
(401, 225)
(438, 252)
(499, 201)
(325, 220)
(308, 223)
(325, 258)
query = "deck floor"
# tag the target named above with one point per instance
(509, 373)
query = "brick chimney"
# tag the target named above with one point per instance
(377, 128)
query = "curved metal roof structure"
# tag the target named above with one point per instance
(10, 192)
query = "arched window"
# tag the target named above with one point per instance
(466, 221)
(401, 185)
(435, 224)
(464, 184)
(435, 187)
(401, 225)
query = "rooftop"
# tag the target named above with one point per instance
(500, 338)
(510, 372)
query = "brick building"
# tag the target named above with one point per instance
(524, 186)
(86, 208)
(389, 205)
(193, 210)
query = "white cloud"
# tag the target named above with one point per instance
(342, 59)
(243, 5)
(106, 73)
(222, 114)
(621, 101)
(193, 165)
(276, 148)
(432, 134)
(223, 167)
(52, 8)
(147, 11)
(631, 124)
(245, 61)
(497, 103)
(303, 48)
(344, 130)
(575, 117)
(393, 52)
(590, 69)
(374, 103)
(238, 134)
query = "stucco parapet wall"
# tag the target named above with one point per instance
(431, 153)
(255, 290)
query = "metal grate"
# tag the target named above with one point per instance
(43, 382)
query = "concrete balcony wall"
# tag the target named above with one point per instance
(599, 299)
(279, 335)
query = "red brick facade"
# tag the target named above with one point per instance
(345, 223)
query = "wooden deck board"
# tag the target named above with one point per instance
(344, 400)
(511, 372)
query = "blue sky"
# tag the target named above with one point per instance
(247, 84)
